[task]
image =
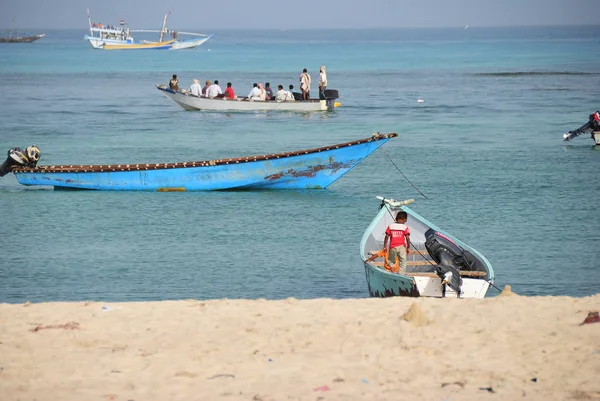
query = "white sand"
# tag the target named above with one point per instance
(503, 348)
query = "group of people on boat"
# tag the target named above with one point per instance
(259, 92)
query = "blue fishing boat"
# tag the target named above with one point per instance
(437, 265)
(303, 169)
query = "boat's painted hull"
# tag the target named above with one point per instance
(596, 135)
(188, 101)
(310, 169)
(114, 44)
(384, 283)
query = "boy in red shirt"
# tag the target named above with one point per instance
(398, 235)
(229, 93)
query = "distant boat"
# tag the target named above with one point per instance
(438, 265)
(187, 101)
(111, 37)
(302, 169)
(15, 37)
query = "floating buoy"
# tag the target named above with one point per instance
(420, 101)
(337, 104)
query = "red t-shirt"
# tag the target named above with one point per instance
(229, 94)
(397, 233)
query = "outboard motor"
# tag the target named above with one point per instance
(18, 157)
(450, 259)
(591, 126)
(330, 96)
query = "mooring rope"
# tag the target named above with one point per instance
(400, 171)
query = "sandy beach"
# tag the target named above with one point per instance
(503, 348)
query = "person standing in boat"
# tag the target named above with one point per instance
(398, 235)
(322, 82)
(196, 89)
(174, 83)
(305, 84)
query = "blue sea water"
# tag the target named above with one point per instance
(485, 146)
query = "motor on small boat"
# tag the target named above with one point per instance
(591, 126)
(450, 258)
(19, 157)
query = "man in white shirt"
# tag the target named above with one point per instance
(196, 89)
(214, 90)
(283, 95)
(254, 93)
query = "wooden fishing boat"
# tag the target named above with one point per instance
(110, 37)
(303, 169)
(15, 37)
(438, 265)
(187, 101)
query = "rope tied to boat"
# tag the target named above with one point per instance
(397, 168)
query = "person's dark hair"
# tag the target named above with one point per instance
(255, 84)
(401, 215)
(267, 84)
(216, 82)
(174, 76)
(291, 87)
(305, 70)
(280, 87)
(229, 84)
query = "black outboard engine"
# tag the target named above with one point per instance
(450, 258)
(18, 157)
(330, 96)
(592, 125)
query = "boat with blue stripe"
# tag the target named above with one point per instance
(314, 168)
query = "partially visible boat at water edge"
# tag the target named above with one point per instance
(187, 101)
(302, 169)
(438, 265)
(111, 37)
(17, 37)
(592, 126)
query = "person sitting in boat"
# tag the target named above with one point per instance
(305, 84)
(398, 235)
(254, 93)
(196, 89)
(205, 87)
(229, 93)
(283, 95)
(174, 83)
(214, 91)
(296, 95)
(268, 91)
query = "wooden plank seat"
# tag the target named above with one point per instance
(464, 273)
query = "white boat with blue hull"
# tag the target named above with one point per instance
(438, 265)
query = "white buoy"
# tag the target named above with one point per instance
(420, 101)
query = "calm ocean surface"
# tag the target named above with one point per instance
(485, 147)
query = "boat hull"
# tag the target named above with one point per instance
(189, 43)
(306, 169)
(21, 39)
(113, 44)
(420, 278)
(190, 102)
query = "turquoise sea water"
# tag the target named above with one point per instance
(485, 147)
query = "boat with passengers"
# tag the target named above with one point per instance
(111, 37)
